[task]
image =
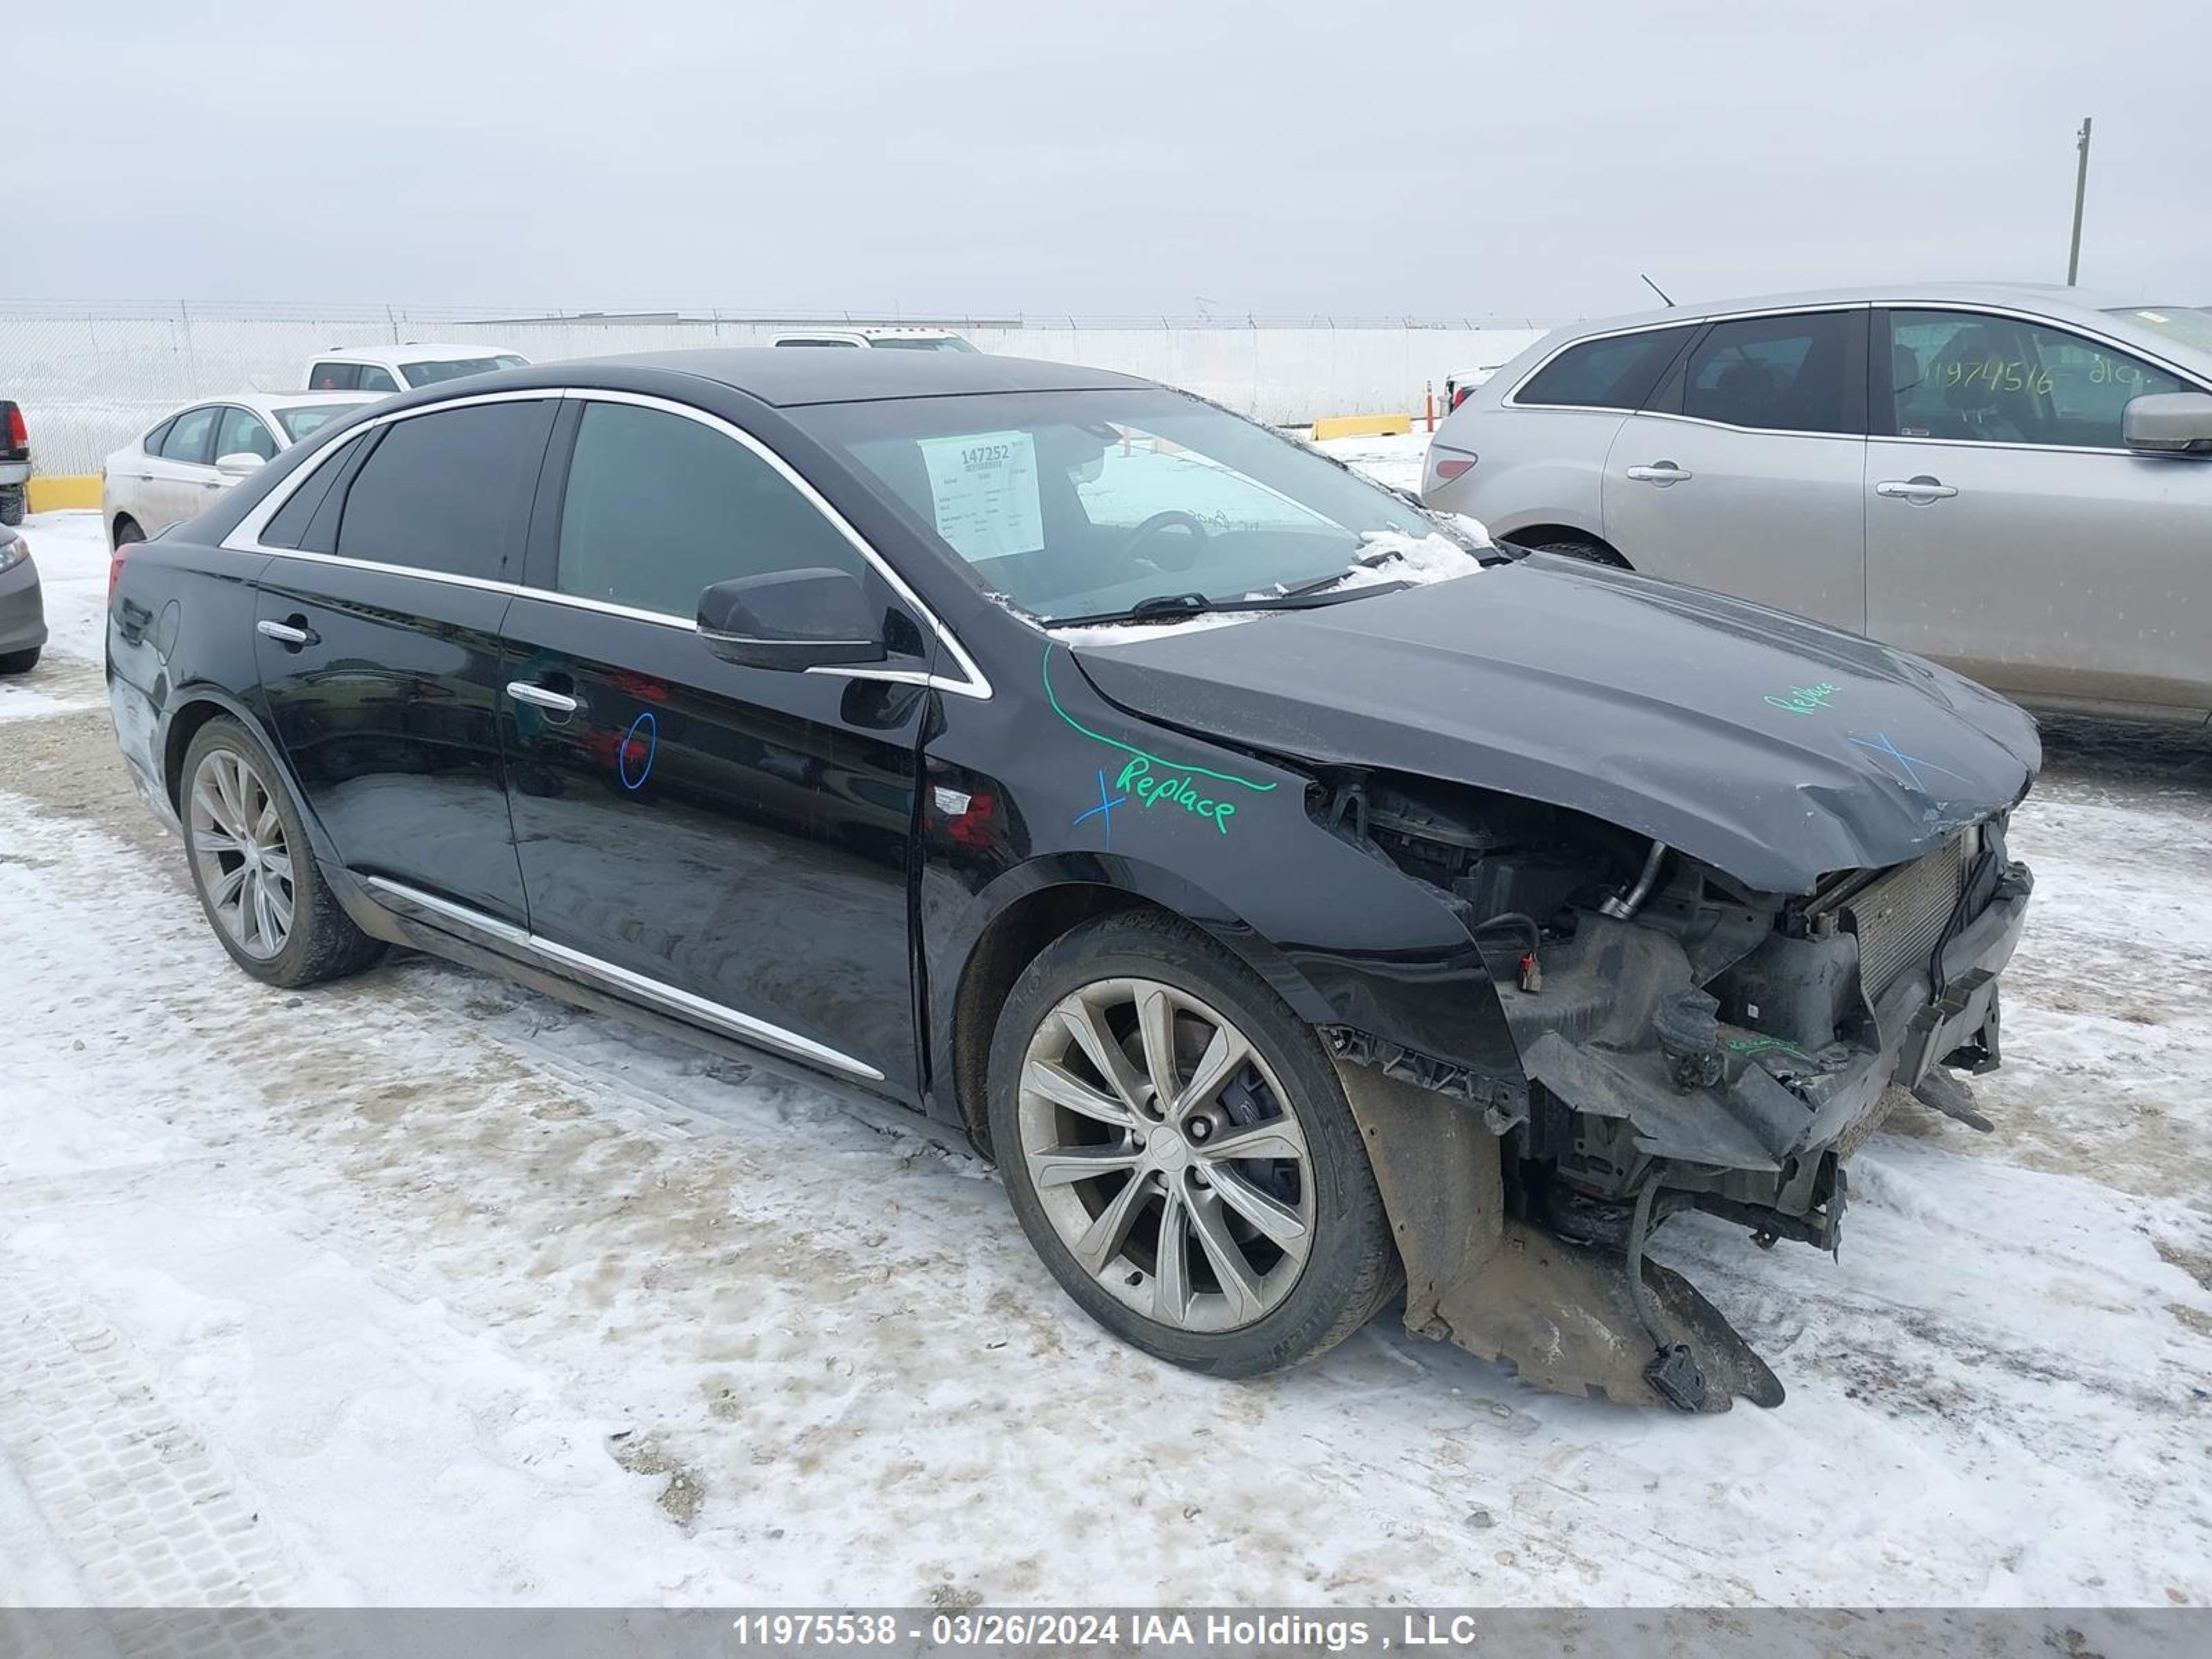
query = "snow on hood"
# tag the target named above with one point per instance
(1389, 558)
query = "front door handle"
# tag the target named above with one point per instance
(1660, 472)
(286, 635)
(1920, 490)
(538, 697)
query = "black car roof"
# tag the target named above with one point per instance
(789, 377)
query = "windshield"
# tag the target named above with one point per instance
(908, 343)
(452, 368)
(2190, 324)
(310, 418)
(1080, 503)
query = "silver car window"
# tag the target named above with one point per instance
(1979, 378)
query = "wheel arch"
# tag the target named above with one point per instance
(191, 708)
(1536, 535)
(1012, 921)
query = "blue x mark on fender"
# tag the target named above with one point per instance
(1105, 807)
(1911, 764)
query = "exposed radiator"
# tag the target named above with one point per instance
(1901, 916)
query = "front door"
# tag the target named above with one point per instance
(1743, 472)
(727, 843)
(2012, 535)
(379, 646)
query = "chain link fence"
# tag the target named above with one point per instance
(92, 377)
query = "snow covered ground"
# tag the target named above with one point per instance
(423, 1289)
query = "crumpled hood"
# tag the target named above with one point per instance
(1772, 748)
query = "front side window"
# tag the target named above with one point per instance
(1079, 503)
(374, 379)
(244, 433)
(1612, 373)
(190, 437)
(1987, 379)
(908, 343)
(659, 507)
(854, 344)
(438, 492)
(1777, 373)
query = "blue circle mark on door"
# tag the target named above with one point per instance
(644, 735)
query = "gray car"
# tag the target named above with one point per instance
(2010, 480)
(22, 611)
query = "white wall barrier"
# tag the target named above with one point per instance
(91, 377)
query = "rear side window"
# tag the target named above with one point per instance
(440, 491)
(152, 445)
(190, 437)
(658, 508)
(1779, 374)
(288, 526)
(334, 377)
(851, 345)
(374, 379)
(1613, 373)
(243, 433)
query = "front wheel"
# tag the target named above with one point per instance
(11, 506)
(254, 869)
(1180, 1151)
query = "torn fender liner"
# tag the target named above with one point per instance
(1564, 1316)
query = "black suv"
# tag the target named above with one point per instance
(1297, 896)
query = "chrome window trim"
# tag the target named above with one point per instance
(245, 536)
(669, 999)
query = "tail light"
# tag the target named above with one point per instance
(19, 436)
(1451, 466)
(1461, 394)
(115, 569)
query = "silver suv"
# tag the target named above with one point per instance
(2009, 480)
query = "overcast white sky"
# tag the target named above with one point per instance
(1479, 158)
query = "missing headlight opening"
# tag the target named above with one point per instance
(1688, 1043)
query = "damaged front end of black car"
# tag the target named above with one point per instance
(1727, 930)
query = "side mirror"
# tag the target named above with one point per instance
(2168, 423)
(791, 620)
(242, 464)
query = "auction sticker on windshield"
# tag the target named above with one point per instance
(983, 489)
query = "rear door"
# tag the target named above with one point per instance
(2011, 534)
(181, 480)
(732, 844)
(1743, 472)
(379, 643)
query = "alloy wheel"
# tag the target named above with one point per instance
(1166, 1154)
(240, 854)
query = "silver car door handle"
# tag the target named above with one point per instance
(1665, 472)
(539, 697)
(1921, 489)
(285, 633)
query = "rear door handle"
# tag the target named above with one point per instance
(1660, 472)
(287, 635)
(538, 697)
(1921, 490)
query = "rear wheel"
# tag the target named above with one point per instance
(1179, 1150)
(254, 869)
(19, 662)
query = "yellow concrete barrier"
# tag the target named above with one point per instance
(51, 494)
(1362, 426)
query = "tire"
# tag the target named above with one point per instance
(1589, 552)
(1288, 1294)
(229, 780)
(20, 662)
(127, 532)
(11, 506)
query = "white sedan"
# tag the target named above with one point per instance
(176, 471)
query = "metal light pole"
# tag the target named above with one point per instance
(2081, 192)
